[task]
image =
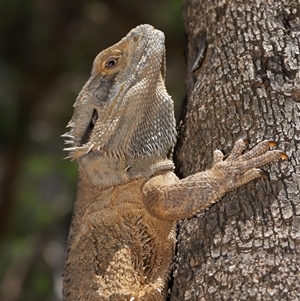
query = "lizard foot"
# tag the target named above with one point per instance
(243, 168)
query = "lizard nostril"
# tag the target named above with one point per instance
(135, 38)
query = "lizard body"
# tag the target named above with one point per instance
(122, 236)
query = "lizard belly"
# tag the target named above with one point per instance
(129, 253)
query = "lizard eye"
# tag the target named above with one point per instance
(111, 62)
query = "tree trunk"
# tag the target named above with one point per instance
(243, 78)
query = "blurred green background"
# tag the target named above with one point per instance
(47, 51)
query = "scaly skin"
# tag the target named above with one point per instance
(122, 236)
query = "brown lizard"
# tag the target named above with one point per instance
(122, 236)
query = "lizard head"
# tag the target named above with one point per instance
(124, 109)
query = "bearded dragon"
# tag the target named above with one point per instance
(122, 133)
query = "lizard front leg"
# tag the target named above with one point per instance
(167, 197)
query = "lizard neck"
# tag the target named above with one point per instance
(104, 171)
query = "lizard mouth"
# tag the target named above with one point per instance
(81, 145)
(87, 134)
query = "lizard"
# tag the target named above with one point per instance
(122, 133)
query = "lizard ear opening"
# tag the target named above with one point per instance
(87, 134)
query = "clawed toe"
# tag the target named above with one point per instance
(261, 159)
(258, 156)
(272, 143)
(284, 156)
(241, 144)
(258, 150)
(218, 156)
(238, 149)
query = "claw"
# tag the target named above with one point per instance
(272, 143)
(264, 175)
(246, 141)
(284, 156)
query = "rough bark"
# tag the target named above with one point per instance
(243, 78)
